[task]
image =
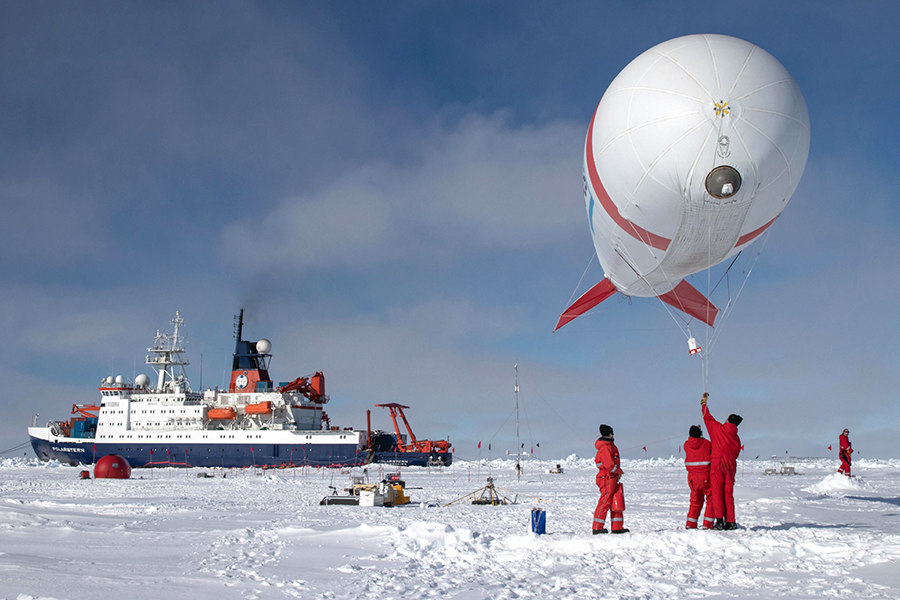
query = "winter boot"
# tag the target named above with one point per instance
(596, 531)
(720, 525)
(730, 526)
(623, 530)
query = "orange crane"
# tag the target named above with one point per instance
(414, 445)
(311, 387)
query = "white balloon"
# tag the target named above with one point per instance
(694, 150)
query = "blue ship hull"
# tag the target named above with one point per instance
(87, 452)
(414, 459)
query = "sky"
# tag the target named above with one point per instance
(392, 192)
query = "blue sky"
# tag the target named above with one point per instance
(392, 191)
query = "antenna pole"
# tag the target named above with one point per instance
(518, 445)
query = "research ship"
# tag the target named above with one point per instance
(253, 423)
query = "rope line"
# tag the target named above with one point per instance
(554, 411)
(502, 425)
(16, 448)
(578, 285)
(763, 241)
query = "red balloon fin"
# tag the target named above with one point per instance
(687, 299)
(587, 301)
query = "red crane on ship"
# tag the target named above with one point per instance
(413, 445)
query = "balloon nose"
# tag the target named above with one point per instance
(723, 182)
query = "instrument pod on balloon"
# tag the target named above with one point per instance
(694, 150)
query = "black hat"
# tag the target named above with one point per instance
(696, 432)
(735, 419)
(606, 430)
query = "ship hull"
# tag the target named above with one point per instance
(414, 459)
(230, 455)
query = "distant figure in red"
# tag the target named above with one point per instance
(697, 451)
(845, 452)
(607, 461)
(726, 445)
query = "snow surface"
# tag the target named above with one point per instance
(248, 533)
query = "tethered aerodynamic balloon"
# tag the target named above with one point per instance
(693, 152)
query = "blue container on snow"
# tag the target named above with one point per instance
(538, 521)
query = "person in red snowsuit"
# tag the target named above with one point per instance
(845, 451)
(607, 461)
(697, 451)
(726, 446)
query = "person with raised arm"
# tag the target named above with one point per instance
(726, 446)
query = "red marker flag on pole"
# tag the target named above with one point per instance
(645, 448)
(829, 447)
(479, 445)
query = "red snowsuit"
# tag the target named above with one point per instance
(845, 452)
(726, 445)
(607, 461)
(697, 460)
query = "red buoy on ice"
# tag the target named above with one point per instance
(112, 466)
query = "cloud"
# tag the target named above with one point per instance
(483, 184)
(347, 224)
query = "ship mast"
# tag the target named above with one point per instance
(169, 361)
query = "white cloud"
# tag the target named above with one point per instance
(346, 224)
(483, 184)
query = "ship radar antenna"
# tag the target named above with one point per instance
(167, 359)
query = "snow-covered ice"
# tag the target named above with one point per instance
(261, 534)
